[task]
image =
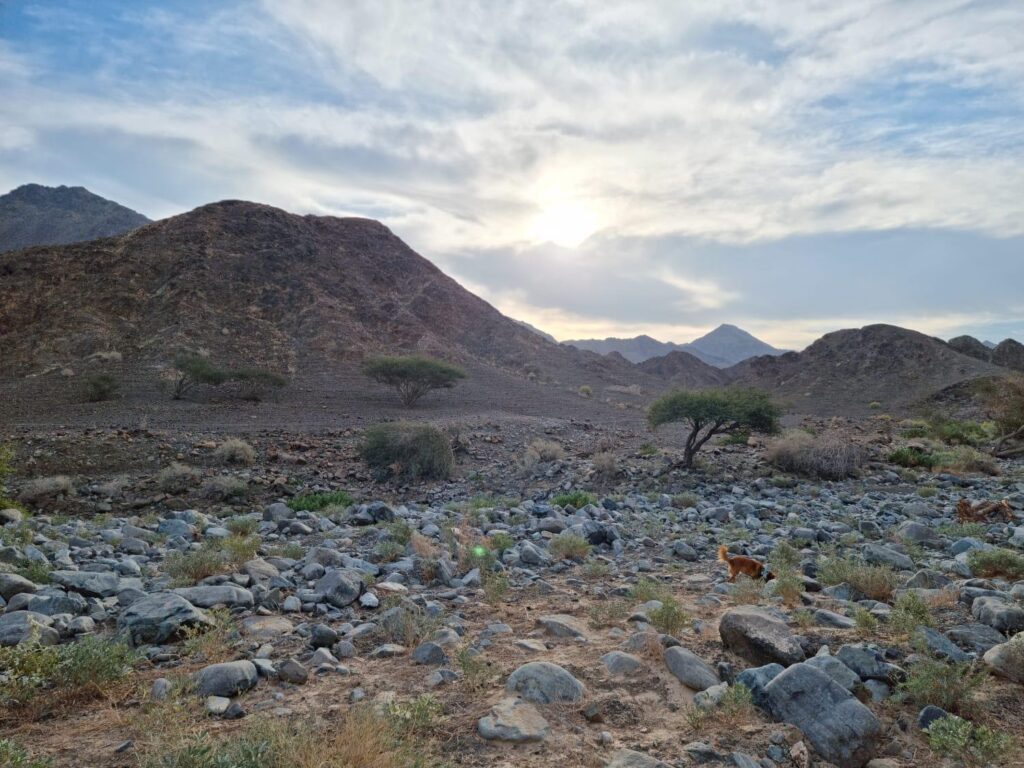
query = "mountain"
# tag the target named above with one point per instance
(636, 350)
(681, 369)
(536, 330)
(254, 285)
(1008, 353)
(846, 371)
(36, 215)
(722, 347)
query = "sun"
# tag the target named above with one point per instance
(564, 222)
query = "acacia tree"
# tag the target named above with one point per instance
(193, 369)
(414, 376)
(714, 412)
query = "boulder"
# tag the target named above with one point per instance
(88, 583)
(208, 596)
(842, 730)
(227, 679)
(1007, 659)
(689, 669)
(12, 584)
(621, 663)
(160, 617)
(562, 625)
(998, 614)
(628, 758)
(759, 637)
(515, 720)
(18, 626)
(340, 587)
(542, 682)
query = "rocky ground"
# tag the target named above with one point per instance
(494, 620)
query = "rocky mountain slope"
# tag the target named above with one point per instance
(36, 215)
(1008, 353)
(254, 284)
(726, 345)
(846, 371)
(681, 369)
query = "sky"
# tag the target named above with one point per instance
(593, 168)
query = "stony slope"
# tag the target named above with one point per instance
(1008, 353)
(726, 345)
(36, 215)
(845, 371)
(682, 369)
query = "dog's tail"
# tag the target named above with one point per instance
(722, 556)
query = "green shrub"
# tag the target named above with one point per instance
(867, 624)
(996, 562)
(13, 755)
(192, 369)
(412, 377)
(646, 589)
(873, 581)
(188, 568)
(84, 668)
(949, 686)
(476, 673)
(975, 745)
(240, 549)
(542, 450)
(574, 499)
(405, 450)
(585, 390)
(714, 412)
(242, 526)
(912, 457)
(669, 618)
(607, 613)
(500, 541)
(569, 546)
(963, 458)
(100, 387)
(909, 613)
(685, 500)
(596, 569)
(399, 531)
(927, 491)
(648, 449)
(177, 478)
(314, 502)
(956, 530)
(224, 488)
(495, 586)
(389, 551)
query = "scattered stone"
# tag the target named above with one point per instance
(226, 679)
(690, 669)
(160, 617)
(293, 672)
(759, 637)
(542, 682)
(515, 720)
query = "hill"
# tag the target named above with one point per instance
(256, 286)
(681, 369)
(726, 345)
(1008, 353)
(846, 371)
(36, 215)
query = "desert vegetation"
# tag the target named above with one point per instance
(412, 377)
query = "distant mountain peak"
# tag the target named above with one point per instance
(722, 347)
(34, 214)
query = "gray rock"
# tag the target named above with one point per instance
(18, 626)
(836, 670)
(998, 614)
(975, 637)
(756, 678)
(12, 584)
(940, 645)
(160, 617)
(628, 758)
(206, 596)
(759, 637)
(160, 689)
(89, 583)
(1007, 659)
(429, 653)
(824, 618)
(879, 555)
(562, 625)
(227, 679)
(340, 587)
(869, 664)
(690, 669)
(621, 663)
(842, 730)
(542, 682)
(292, 671)
(929, 715)
(515, 720)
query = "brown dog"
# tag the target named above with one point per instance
(740, 564)
(982, 512)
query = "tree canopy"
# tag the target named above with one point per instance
(412, 376)
(714, 412)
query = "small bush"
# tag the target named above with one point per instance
(685, 500)
(500, 541)
(100, 387)
(912, 457)
(389, 551)
(240, 549)
(645, 590)
(975, 745)
(412, 377)
(596, 569)
(477, 674)
(45, 488)
(405, 450)
(495, 586)
(585, 390)
(224, 488)
(669, 618)
(314, 502)
(746, 591)
(81, 669)
(542, 450)
(605, 463)
(949, 686)
(963, 458)
(569, 546)
(13, 755)
(827, 457)
(873, 581)
(909, 613)
(867, 624)
(996, 562)
(574, 499)
(242, 526)
(607, 613)
(927, 491)
(188, 568)
(235, 451)
(177, 478)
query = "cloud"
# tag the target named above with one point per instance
(681, 148)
